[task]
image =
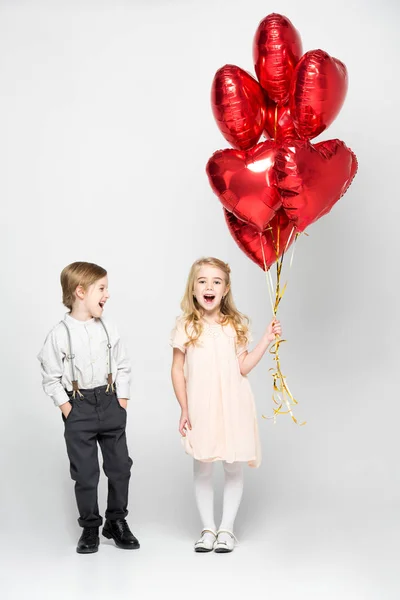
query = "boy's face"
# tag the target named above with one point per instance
(95, 297)
(209, 287)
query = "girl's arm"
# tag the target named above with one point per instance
(248, 360)
(179, 383)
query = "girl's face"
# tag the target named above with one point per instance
(95, 297)
(209, 287)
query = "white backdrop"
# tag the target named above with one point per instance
(105, 130)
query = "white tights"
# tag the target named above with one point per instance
(204, 492)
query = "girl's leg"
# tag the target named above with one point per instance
(233, 491)
(204, 492)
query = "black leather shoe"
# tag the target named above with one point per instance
(89, 541)
(119, 531)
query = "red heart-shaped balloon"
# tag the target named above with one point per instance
(276, 50)
(259, 246)
(312, 178)
(238, 105)
(278, 122)
(245, 182)
(317, 92)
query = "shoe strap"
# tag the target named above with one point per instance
(233, 536)
(209, 531)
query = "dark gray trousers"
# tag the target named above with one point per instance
(98, 418)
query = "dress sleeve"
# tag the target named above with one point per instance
(179, 336)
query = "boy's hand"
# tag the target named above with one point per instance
(184, 423)
(66, 409)
(273, 329)
(123, 402)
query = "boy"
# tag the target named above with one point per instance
(81, 361)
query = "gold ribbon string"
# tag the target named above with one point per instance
(281, 395)
(276, 121)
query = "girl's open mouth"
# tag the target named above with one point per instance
(209, 298)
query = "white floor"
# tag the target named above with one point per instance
(304, 555)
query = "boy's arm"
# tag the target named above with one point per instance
(123, 375)
(51, 365)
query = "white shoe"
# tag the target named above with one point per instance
(225, 541)
(206, 541)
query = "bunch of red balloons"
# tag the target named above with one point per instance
(279, 186)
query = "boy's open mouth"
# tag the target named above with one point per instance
(209, 298)
(101, 304)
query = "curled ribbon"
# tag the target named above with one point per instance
(282, 397)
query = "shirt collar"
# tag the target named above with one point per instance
(75, 322)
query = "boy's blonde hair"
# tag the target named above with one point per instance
(78, 273)
(191, 308)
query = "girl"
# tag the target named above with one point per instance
(218, 420)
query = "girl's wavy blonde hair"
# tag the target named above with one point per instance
(191, 309)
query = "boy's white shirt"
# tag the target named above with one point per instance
(89, 345)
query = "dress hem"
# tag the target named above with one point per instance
(253, 462)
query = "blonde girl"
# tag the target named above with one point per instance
(218, 420)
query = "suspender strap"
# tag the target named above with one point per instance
(70, 357)
(110, 383)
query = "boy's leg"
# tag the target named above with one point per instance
(117, 467)
(116, 461)
(81, 429)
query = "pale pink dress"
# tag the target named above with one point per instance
(220, 401)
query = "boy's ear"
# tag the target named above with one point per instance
(80, 292)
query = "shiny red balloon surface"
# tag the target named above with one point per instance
(276, 50)
(317, 92)
(312, 178)
(246, 182)
(259, 245)
(279, 123)
(238, 106)
(284, 184)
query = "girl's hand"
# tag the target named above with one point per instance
(273, 329)
(184, 424)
